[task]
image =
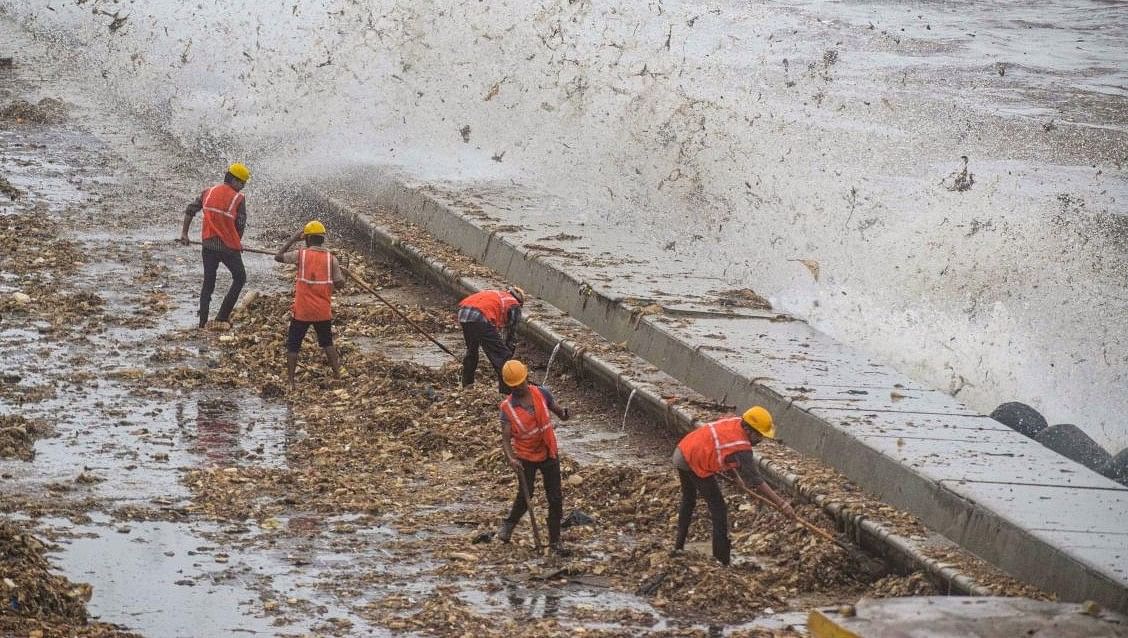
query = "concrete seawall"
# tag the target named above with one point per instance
(997, 493)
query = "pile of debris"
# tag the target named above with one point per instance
(46, 111)
(37, 602)
(18, 435)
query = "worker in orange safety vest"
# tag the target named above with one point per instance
(318, 275)
(483, 316)
(715, 447)
(225, 219)
(529, 443)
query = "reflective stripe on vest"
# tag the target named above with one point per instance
(533, 440)
(706, 448)
(313, 286)
(724, 449)
(232, 209)
(220, 205)
(306, 278)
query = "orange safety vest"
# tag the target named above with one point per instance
(493, 304)
(531, 435)
(313, 287)
(706, 448)
(221, 206)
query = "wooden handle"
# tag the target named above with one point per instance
(245, 249)
(365, 285)
(529, 507)
(811, 526)
(418, 328)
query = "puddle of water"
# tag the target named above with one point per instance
(578, 599)
(229, 432)
(165, 579)
(138, 444)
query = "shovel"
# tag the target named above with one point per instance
(874, 568)
(532, 514)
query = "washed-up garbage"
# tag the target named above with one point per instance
(46, 111)
(18, 435)
(401, 446)
(37, 600)
(576, 517)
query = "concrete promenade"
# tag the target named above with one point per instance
(1001, 495)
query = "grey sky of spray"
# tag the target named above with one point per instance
(749, 135)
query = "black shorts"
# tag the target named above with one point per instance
(298, 329)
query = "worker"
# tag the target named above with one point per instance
(529, 443)
(317, 276)
(225, 219)
(716, 447)
(483, 316)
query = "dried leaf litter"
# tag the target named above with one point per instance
(400, 439)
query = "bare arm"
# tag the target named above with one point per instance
(506, 447)
(770, 494)
(241, 217)
(557, 409)
(511, 322)
(338, 274)
(749, 477)
(184, 228)
(280, 256)
(189, 213)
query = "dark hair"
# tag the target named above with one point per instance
(315, 240)
(753, 433)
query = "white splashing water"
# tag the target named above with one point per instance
(773, 132)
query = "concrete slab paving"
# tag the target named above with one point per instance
(973, 480)
(947, 617)
(968, 459)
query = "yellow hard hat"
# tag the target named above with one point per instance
(518, 294)
(240, 171)
(760, 419)
(514, 373)
(315, 227)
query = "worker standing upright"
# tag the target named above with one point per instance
(483, 316)
(529, 443)
(317, 276)
(713, 448)
(225, 219)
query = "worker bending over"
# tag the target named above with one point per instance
(483, 316)
(225, 219)
(318, 274)
(715, 447)
(529, 443)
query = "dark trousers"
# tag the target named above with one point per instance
(298, 330)
(550, 473)
(234, 263)
(711, 490)
(483, 334)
